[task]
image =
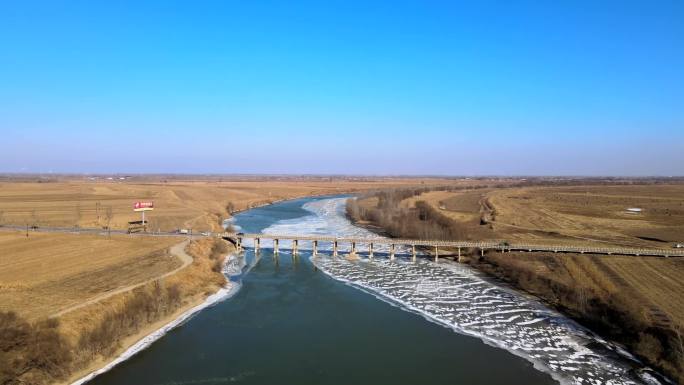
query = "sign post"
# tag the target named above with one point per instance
(142, 207)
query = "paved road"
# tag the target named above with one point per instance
(98, 231)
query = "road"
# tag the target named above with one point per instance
(98, 231)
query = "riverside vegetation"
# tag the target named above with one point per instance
(53, 350)
(634, 301)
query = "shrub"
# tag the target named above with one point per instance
(31, 352)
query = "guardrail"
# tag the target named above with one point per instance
(482, 245)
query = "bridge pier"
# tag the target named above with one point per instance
(315, 248)
(353, 248)
(370, 250)
(334, 248)
(413, 253)
(459, 255)
(238, 244)
(481, 252)
(436, 254)
(257, 243)
(275, 246)
(392, 252)
(295, 247)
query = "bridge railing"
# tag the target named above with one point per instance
(483, 245)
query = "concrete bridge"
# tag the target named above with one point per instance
(435, 246)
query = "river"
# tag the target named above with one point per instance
(324, 320)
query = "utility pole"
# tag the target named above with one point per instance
(109, 214)
(97, 212)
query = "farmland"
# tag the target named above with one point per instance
(567, 214)
(595, 213)
(197, 203)
(45, 273)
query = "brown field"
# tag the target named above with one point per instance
(141, 293)
(636, 301)
(47, 272)
(462, 206)
(651, 285)
(570, 214)
(199, 204)
(595, 213)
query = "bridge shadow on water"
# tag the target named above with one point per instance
(291, 324)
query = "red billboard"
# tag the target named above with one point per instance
(140, 206)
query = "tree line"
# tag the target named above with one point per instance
(419, 222)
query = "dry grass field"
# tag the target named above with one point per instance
(463, 206)
(47, 272)
(199, 203)
(636, 301)
(651, 285)
(569, 214)
(595, 213)
(138, 288)
(656, 283)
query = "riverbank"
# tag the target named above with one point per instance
(630, 300)
(65, 348)
(587, 289)
(199, 286)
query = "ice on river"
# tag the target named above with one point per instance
(458, 297)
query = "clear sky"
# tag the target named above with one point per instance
(426, 87)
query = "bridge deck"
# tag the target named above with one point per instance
(485, 245)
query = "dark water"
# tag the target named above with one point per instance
(291, 324)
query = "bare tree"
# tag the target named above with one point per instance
(34, 218)
(152, 223)
(77, 213)
(97, 212)
(109, 215)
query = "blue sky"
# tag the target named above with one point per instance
(367, 87)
